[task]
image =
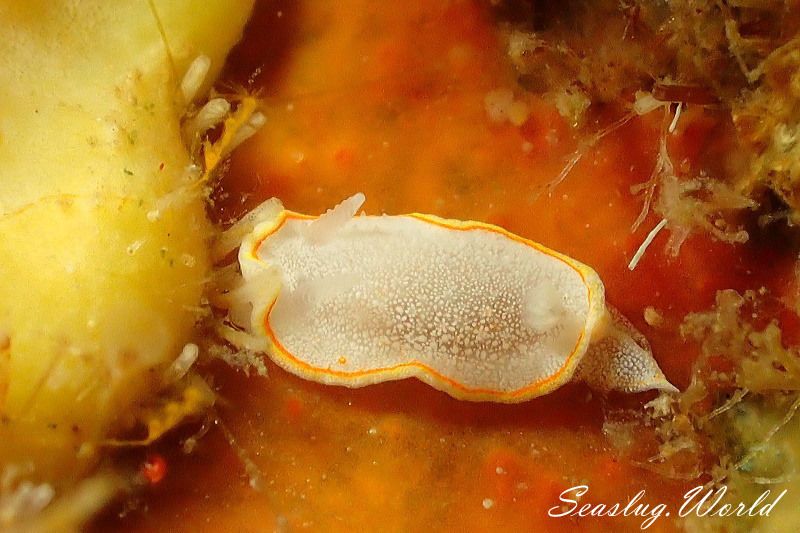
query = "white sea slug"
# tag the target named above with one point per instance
(467, 307)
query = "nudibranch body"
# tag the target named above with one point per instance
(467, 307)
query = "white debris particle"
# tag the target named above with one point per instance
(248, 129)
(188, 260)
(649, 239)
(134, 247)
(194, 77)
(182, 364)
(373, 431)
(26, 499)
(488, 503)
(674, 123)
(653, 317)
(499, 470)
(501, 106)
(646, 102)
(211, 114)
